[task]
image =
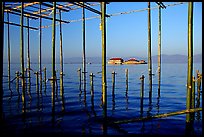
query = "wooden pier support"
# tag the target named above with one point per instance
(79, 73)
(28, 52)
(149, 52)
(199, 77)
(61, 56)
(91, 84)
(126, 75)
(113, 81)
(37, 82)
(45, 76)
(2, 5)
(17, 82)
(141, 94)
(9, 60)
(40, 48)
(84, 49)
(159, 51)
(22, 58)
(104, 84)
(190, 59)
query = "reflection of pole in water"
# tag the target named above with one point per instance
(141, 94)
(92, 93)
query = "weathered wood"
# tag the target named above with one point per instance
(190, 58)
(156, 116)
(149, 52)
(104, 84)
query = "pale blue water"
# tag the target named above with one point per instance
(86, 118)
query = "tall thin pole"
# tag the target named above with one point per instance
(40, 45)
(84, 49)
(159, 51)
(53, 59)
(22, 57)
(9, 73)
(104, 84)
(149, 51)
(190, 59)
(53, 40)
(61, 56)
(28, 50)
(1, 59)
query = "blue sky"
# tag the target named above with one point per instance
(126, 34)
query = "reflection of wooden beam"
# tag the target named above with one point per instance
(157, 116)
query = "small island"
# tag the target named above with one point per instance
(129, 61)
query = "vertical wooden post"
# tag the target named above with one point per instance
(53, 57)
(91, 84)
(1, 59)
(159, 51)
(149, 52)
(61, 56)
(190, 59)
(8, 42)
(141, 94)
(113, 82)
(79, 73)
(193, 93)
(198, 85)
(22, 57)
(37, 87)
(40, 48)
(17, 82)
(104, 84)
(126, 74)
(28, 51)
(92, 89)
(84, 49)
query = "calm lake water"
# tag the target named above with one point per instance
(76, 115)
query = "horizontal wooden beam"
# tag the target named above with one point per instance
(11, 23)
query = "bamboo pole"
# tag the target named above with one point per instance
(28, 51)
(104, 84)
(79, 73)
(113, 82)
(9, 73)
(149, 52)
(159, 51)
(92, 85)
(190, 58)
(141, 94)
(53, 57)
(22, 59)
(17, 82)
(61, 56)
(126, 74)
(83, 46)
(193, 93)
(198, 87)
(40, 48)
(37, 82)
(157, 116)
(1, 59)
